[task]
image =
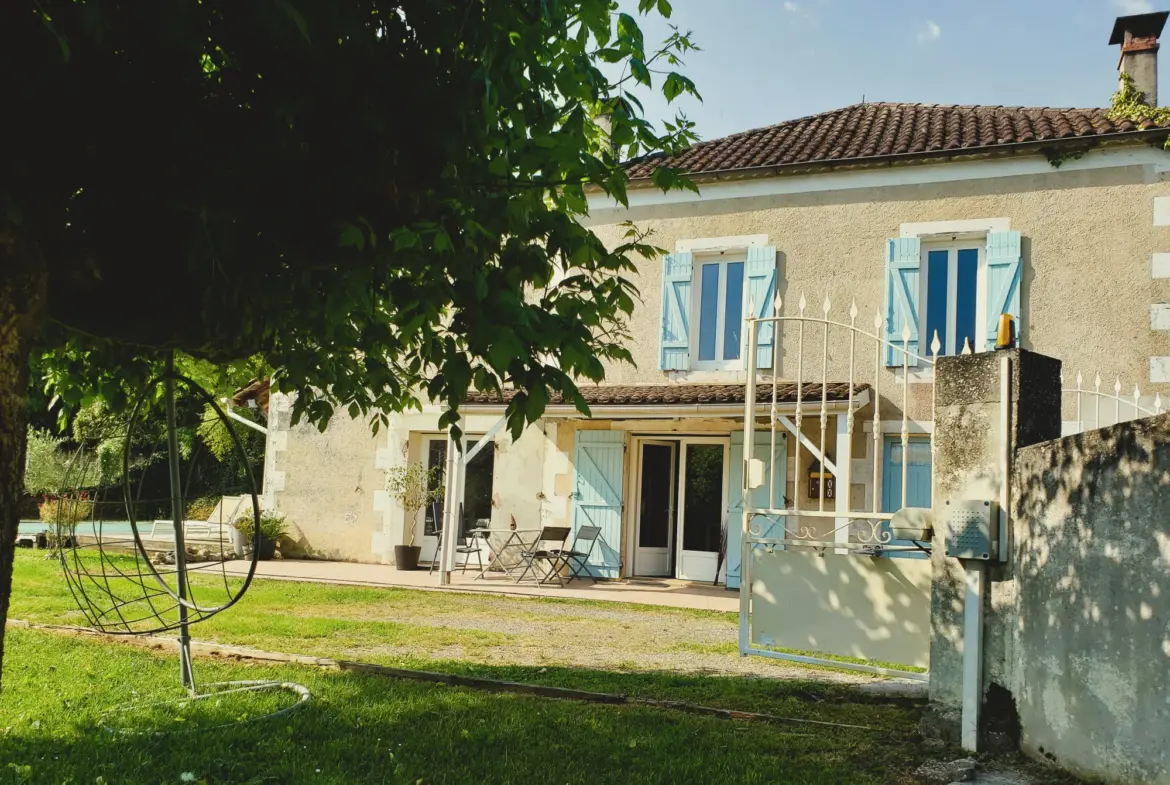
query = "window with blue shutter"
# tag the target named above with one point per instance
(903, 283)
(934, 288)
(1004, 272)
(675, 348)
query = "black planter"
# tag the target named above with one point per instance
(267, 549)
(406, 557)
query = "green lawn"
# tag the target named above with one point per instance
(363, 728)
(370, 729)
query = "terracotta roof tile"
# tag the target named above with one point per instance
(684, 394)
(855, 133)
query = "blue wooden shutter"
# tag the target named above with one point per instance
(760, 496)
(597, 496)
(1004, 268)
(675, 353)
(903, 276)
(761, 291)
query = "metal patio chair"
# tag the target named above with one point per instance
(473, 543)
(576, 559)
(529, 556)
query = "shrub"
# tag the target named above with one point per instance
(65, 508)
(415, 486)
(272, 526)
(201, 509)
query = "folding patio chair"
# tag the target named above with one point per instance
(529, 556)
(580, 569)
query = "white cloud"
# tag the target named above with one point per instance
(1127, 7)
(930, 32)
(790, 6)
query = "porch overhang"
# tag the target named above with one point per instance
(689, 401)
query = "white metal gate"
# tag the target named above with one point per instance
(823, 583)
(1086, 407)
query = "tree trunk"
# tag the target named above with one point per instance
(23, 284)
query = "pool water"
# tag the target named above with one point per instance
(106, 528)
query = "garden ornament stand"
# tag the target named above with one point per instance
(119, 588)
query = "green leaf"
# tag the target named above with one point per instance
(640, 71)
(351, 236)
(403, 238)
(664, 8)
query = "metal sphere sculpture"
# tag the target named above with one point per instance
(134, 576)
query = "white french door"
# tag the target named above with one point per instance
(702, 506)
(654, 533)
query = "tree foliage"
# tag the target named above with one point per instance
(375, 197)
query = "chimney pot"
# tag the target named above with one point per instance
(1138, 37)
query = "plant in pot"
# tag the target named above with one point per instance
(272, 528)
(414, 486)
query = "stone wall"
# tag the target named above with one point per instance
(1091, 664)
(1076, 634)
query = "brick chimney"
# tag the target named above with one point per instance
(1138, 37)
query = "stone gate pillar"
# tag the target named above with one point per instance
(968, 464)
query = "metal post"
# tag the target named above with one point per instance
(749, 442)
(844, 478)
(185, 673)
(972, 655)
(451, 500)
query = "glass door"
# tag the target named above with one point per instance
(702, 505)
(477, 493)
(656, 488)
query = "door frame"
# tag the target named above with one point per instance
(680, 500)
(636, 496)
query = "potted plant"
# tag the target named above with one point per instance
(414, 486)
(272, 528)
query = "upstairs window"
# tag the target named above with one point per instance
(705, 299)
(955, 289)
(720, 299)
(952, 298)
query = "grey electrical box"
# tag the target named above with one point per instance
(972, 529)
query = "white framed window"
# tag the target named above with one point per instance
(719, 292)
(953, 296)
(954, 280)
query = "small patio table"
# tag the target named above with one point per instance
(516, 541)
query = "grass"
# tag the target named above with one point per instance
(59, 692)
(408, 627)
(353, 728)
(362, 728)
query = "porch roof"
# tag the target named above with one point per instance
(717, 394)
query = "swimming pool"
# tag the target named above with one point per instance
(106, 528)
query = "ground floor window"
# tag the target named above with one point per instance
(917, 462)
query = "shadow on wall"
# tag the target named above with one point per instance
(1092, 564)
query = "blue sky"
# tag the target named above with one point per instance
(764, 61)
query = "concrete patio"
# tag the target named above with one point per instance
(649, 591)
